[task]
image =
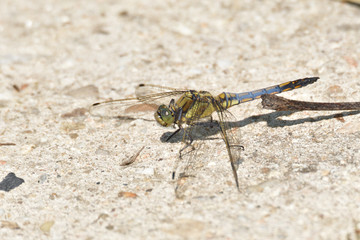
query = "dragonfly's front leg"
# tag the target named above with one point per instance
(178, 115)
(173, 134)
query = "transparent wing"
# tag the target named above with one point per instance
(188, 162)
(228, 129)
(148, 98)
(149, 89)
(187, 167)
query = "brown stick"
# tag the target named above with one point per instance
(283, 104)
(7, 144)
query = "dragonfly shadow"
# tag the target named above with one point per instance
(199, 131)
(204, 130)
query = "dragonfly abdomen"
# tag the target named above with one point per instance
(230, 99)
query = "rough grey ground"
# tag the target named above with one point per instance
(300, 175)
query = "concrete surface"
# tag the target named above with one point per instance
(300, 175)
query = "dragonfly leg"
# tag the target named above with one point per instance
(173, 134)
(180, 157)
(178, 114)
(186, 146)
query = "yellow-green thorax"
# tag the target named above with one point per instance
(191, 106)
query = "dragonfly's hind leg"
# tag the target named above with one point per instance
(187, 145)
(187, 140)
(213, 122)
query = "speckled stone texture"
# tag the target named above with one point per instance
(300, 175)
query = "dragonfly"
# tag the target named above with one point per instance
(186, 108)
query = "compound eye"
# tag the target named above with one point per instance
(164, 116)
(165, 113)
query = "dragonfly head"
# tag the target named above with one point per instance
(164, 116)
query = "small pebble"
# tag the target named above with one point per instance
(43, 178)
(10, 182)
(127, 194)
(71, 126)
(101, 151)
(8, 224)
(46, 226)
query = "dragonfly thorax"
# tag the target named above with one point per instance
(164, 116)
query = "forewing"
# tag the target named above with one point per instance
(129, 107)
(148, 98)
(149, 89)
(228, 129)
